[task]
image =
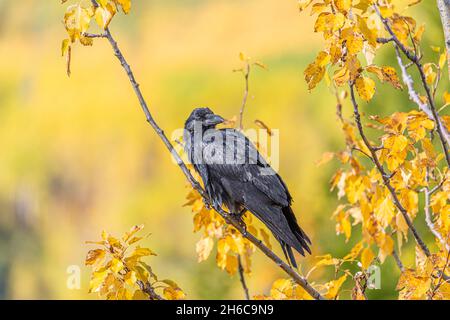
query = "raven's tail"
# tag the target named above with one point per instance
(303, 242)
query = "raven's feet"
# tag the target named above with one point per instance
(238, 218)
(206, 203)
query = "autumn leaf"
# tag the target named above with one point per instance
(365, 88)
(367, 257)
(104, 15)
(326, 157)
(95, 256)
(333, 287)
(385, 211)
(203, 248)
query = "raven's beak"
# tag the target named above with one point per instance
(213, 120)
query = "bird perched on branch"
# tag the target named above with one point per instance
(234, 174)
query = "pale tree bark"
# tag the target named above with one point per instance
(444, 10)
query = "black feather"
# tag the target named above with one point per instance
(237, 176)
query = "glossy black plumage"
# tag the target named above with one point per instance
(235, 175)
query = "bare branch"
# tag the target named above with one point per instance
(242, 278)
(195, 184)
(148, 289)
(244, 100)
(408, 81)
(398, 261)
(385, 176)
(94, 35)
(429, 219)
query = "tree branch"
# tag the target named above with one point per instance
(242, 278)
(384, 175)
(444, 135)
(398, 261)
(195, 184)
(148, 289)
(444, 11)
(429, 220)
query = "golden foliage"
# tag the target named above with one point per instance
(120, 273)
(78, 17)
(404, 145)
(230, 242)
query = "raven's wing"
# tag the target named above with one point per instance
(234, 161)
(236, 157)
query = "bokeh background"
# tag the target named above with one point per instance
(77, 156)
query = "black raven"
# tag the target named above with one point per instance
(234, 174)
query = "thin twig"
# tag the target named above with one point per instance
(195, 184)
(384, 175)
(429, 220)
(148, 289)
(244, 99)
(94, 35)
(398, 261)
(242, 278)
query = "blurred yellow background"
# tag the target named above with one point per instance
(78, 157)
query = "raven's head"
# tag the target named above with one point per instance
(204, 117)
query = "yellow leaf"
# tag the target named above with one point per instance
(204, 248)
(232, 264)
(386, 247)
(341, 76)
(130, 278)
(65, 47)
(353, 40)
(334, 286)
(442, 59)
(329, 22)
(104, 15)
(419, 33)
(140, 295)
(327, 260)
(95, 256)
(326, 157)
(280, 288)
(412, 286)
(343, 5)
(315, 71)
(385, 211)
(376, 71)
(85, 41)
(303, 4)
(429, 73)
(171, 293)
(446, 97)
(365, 88)
(354, 252)
(343, 225)
(117, 265)
(367, 257)
(141, 252)
(77, 20)
(390, 75)
(97, 280)
(125, 4)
